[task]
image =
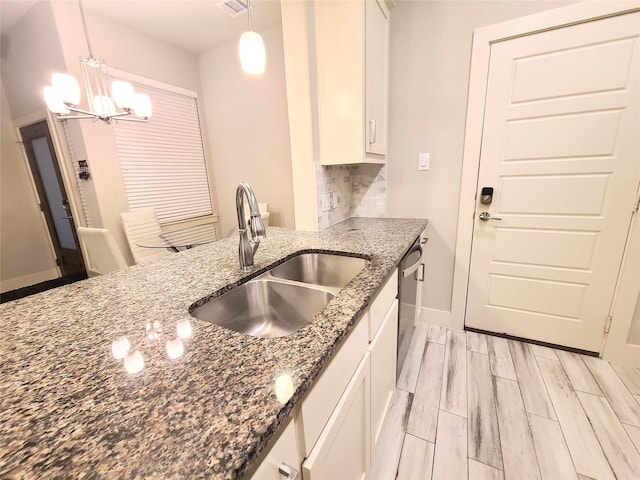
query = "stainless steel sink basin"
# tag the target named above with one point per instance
(264, 308)
(323, 269)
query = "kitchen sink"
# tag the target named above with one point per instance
(283, 299)
(264, 308)
(324, 269)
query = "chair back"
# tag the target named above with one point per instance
(101, 251)
(139, 224)
(264, 212)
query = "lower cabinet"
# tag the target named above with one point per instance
(282, 460)
(338, 423)
(383, 349)
(343, 449)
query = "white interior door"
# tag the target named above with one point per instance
(560, 148)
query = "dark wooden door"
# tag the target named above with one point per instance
(54, 201)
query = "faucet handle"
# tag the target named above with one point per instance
(256, 225)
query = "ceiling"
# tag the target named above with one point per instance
(193, 25)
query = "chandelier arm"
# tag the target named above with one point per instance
(61, 117)
(130, 119)
(118, 114)
(80, 110)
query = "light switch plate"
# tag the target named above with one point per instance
(424, 161)
(325, 202)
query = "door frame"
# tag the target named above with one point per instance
(64, 164)
(483, 38)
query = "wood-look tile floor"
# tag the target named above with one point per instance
(475, 406)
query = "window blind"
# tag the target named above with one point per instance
(162, 161)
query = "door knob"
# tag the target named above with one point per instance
(486, 216)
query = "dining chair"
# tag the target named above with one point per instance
(264, 213)
(139, 224)
(101, 252)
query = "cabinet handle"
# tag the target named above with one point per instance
(372, 131)
(421, 276)
(288, 471)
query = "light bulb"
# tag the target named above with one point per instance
(120, 347)
(142, 105)
(175, 348)
(66, 88)
(134, 362)
(54, 104)
(183, 327)
(252, 53)
(123, 94)
(103, 105)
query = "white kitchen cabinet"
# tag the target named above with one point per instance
(343, 450)
(352, 55)
(339, 419)
(321, 401)
(376, 76)
(383, 369)
(282, 457)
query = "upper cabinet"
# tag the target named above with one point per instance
(352, 61)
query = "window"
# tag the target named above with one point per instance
(162, 161)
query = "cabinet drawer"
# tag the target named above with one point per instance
(382, 303)
(343, 450)
(323, 397)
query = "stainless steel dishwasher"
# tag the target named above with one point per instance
(409, 269)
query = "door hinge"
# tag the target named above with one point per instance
(636, 207)
(608, 324)
(58, 262)
(41, 207)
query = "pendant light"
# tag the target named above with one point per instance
(252, 53)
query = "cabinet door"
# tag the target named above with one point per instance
(329, 388)
(383, 350)
(283, 453)
(376, 75)
(343, 449)
(340, 76)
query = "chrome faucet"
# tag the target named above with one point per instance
(247, 248)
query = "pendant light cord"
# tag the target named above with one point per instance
(248, 13)
(86, 32)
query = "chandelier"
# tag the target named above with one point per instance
(63, 95)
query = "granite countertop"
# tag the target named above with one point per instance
(68, 408)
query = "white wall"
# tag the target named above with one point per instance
(429, 69)
(29, 52)
(248, 130)
(26, 255)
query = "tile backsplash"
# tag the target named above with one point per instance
(349, 191)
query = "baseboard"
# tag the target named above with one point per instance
(435, 317)
(627, 354)
(27, 280)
